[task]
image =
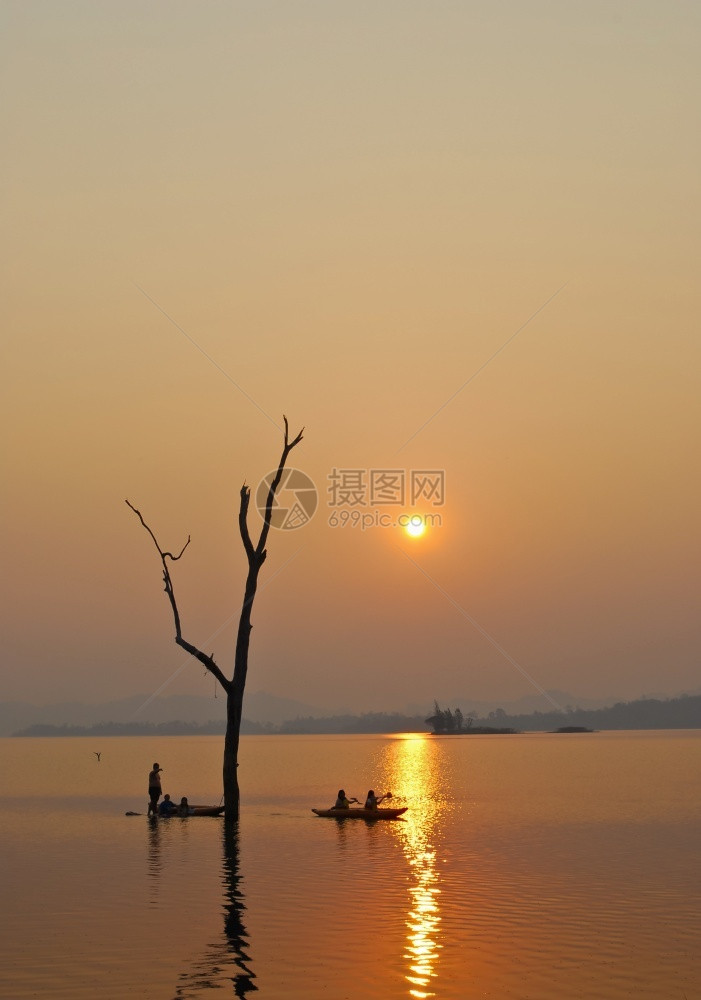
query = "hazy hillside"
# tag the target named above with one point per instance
(258, 707)
(683, 712)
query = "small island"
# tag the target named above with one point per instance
(573, 729)
(447, 723)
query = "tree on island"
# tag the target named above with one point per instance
(235, 686)
(444, 721)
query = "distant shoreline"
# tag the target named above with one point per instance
(647, 713)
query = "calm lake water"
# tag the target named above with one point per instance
(530, 866)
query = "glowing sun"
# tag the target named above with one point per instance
(416, 526)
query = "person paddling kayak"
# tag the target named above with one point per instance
(342, 802)
(372, 801)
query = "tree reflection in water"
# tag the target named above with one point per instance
(232, 949)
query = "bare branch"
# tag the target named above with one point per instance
(175, 558)
(161, 553)
(260, 547)
(243, 522)
(208, 661)
(166, 574)
(296, 441)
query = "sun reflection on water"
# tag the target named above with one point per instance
(413, 767)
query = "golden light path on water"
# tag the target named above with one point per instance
(412, 768)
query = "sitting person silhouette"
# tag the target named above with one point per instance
(342, 802)
(372, 801)
(167, 806)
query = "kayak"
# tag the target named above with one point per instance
(361, 813)
(194, 811)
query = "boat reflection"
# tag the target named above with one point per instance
(412, 766)
(228, 957)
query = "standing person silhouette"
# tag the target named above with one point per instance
(154, 789)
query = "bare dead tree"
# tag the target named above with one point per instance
(234, 686)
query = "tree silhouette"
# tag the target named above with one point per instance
(234, 686)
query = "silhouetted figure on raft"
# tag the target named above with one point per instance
(154, 790)
(167, 806)
(184, 807)
(342, 802)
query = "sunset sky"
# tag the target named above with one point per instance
(457, 237)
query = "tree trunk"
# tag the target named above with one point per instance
(234, 702)
(232, 796)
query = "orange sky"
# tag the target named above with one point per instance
(345, 211)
